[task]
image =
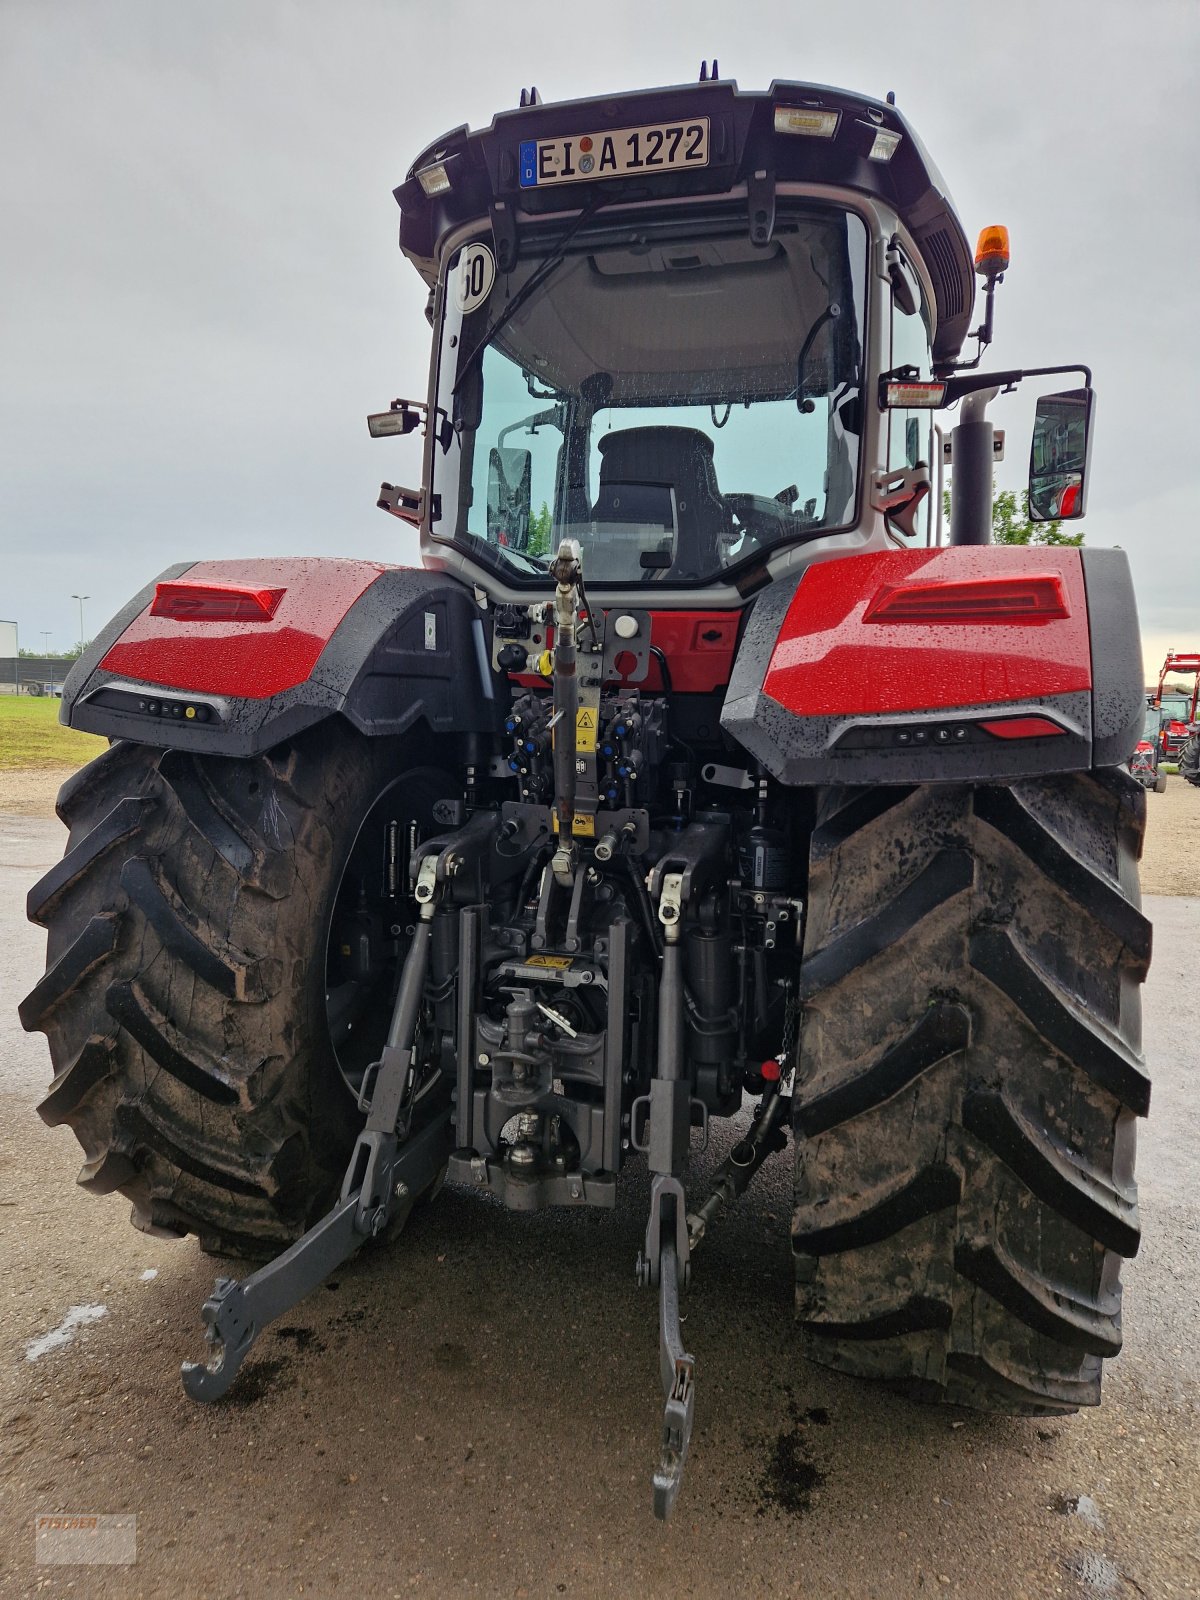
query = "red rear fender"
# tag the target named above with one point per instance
(230, 657)
(961, 663)
(246, 656)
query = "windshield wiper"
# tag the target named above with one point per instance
(529, 287)
(830, 314)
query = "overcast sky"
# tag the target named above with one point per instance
(201, 293)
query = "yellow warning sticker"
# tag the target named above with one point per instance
(555, 963)
(582, 823)
(585, 731)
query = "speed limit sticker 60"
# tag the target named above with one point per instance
(474, 277)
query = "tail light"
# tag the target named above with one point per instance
(182, 601)
(1021, 727)
(909, 393)
(1038, 598)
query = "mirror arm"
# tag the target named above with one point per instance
(958, 386)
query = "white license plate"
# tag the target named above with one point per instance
(662, 147)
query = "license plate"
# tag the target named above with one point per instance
(663, 147)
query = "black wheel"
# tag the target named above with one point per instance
(969, 1084)
(222, 946)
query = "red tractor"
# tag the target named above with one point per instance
(1178, 734)
(1144, 762)
(692, 765)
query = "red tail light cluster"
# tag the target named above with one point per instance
(1037, 598)
(1021, 727)
(212, 602)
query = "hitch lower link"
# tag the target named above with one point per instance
(665, 1260)
(666, 1264)
(393, 1162)
(672, 1232)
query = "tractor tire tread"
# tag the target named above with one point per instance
(968, 1085)
(176, 998)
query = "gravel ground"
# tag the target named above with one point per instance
(31, 794)
(1171, 859)
(474, 1410)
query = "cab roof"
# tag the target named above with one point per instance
(482, 169)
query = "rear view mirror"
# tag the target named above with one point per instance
(1058, 460)
(509, 497)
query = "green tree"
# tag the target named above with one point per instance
(1011, 524)
(540, 530)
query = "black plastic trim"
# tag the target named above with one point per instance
(1118, 690)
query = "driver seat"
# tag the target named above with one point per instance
(677, 459)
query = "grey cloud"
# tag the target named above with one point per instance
(202, 293)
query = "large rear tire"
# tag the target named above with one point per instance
(185, 996)
(968, 1087)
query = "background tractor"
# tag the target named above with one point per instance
(1178, 733)
(697, 768)
(1144, 762)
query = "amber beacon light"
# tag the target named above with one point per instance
(991, 253)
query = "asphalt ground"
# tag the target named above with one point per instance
(475, 1408)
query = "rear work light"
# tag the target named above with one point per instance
(883, 145)
(215, 602)
(806, 120)
(434, 179)
(1039, 598)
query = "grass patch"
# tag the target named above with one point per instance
(32, 739)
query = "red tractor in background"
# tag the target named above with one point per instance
(696, 762)
(1178, 733)
(1144, 762)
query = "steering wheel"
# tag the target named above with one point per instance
(757, 518)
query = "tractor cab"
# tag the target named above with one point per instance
(659, 324)
(682, 403)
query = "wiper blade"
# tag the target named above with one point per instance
(831, 313)
(529, 287)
